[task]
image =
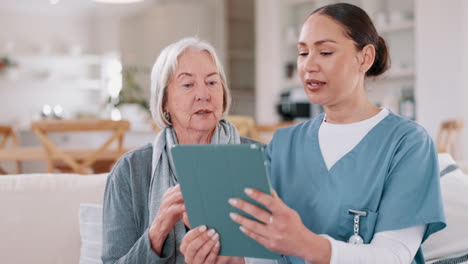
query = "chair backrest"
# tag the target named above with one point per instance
(449, 135)
(6, 133)
(245, 126)
(266, 131)
(54, 152)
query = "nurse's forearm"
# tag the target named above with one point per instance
(315, 249)
(388, 247)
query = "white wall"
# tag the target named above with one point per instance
(465, 75)
(105, 33)
(439, 49)
(145, 34)
(268, 63)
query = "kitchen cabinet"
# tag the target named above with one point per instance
(73, 71)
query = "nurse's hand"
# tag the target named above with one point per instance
(202, 246)
(282, 230)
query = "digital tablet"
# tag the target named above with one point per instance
(211, 174)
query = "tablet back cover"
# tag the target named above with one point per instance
(211, 174)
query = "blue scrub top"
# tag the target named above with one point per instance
(392, 174)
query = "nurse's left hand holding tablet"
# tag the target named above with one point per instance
(282, 230)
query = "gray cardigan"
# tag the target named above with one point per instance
(125, 216)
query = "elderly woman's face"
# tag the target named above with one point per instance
(195, 92)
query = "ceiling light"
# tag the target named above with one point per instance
(118, 1)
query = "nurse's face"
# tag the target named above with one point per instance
(328, 62)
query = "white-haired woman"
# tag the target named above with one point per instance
(143, 205)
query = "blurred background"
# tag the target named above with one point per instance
(68, 59)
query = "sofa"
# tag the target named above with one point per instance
(41, 215)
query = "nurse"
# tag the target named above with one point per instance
(357, 184)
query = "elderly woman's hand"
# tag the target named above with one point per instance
(169, 213)
(186, 220)
(202, 246)
(282, 230)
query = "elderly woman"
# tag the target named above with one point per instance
(143, 205)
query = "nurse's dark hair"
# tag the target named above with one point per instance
(359, 27)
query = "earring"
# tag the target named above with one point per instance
(167, 116)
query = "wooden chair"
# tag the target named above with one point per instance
(449, 136)
(6, 133)
(95, 159)
(245, 126)
(266, 131)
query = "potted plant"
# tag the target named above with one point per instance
(131, 92)
(6, 64)
(131, 101)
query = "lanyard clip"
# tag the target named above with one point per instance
(357, 213)
(356, 238)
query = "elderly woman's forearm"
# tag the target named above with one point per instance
(156, 238)
(141, 252)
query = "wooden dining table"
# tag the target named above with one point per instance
(39, 154)
(102, 164)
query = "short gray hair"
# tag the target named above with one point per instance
(164, 68)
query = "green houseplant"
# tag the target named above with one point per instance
(131, 92)
(6, 63)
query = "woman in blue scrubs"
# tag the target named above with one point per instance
(357, 184)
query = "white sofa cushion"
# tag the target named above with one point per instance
(91, 233)
(39, 220)
(453, 240)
